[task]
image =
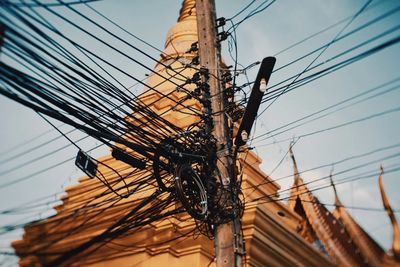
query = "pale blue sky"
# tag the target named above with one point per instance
(284, 23)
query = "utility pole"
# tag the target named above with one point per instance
(228, 240)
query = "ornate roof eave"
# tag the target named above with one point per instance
(326, 227)
(395, 225)
(371, 251)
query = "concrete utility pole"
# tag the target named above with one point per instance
(228, 243)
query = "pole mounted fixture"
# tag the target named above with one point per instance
(257, 92)
(84, 162)
(128, 159)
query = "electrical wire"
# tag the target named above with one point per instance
(322, 51)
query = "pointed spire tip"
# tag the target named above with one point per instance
(392, 217)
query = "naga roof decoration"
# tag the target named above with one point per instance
(346, 242)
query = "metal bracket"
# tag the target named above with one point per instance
(238, 238)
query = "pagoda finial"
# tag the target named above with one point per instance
(396, 229)
(188, 9)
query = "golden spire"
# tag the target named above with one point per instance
(188, 9)
(176, 55)
(396, 230)
(183, 34)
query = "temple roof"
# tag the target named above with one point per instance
(342, 237)
(370, 249)
(395, 225)
(325, 227)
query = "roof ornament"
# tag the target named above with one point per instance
(294, 194)
(337, 201)
(295, 169)
(396, 229)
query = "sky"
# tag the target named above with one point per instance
(283, 24)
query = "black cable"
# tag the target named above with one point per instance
(242, 10)
(372, 116)
(271, 198)
(335, 105)
(255, 11)
(26, 142)
(342, 206)
(336, 66)
(107, 44)
(123, 29)
(334, 163)
(344, 36)
(22, 3)
(110, 231)
(324, 30)
(322, 51)
(395, 155)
